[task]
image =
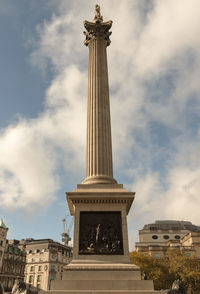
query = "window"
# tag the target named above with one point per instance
(30, 279)
(1, 243)
(166, 237)
(38, 286)
(177, 237)
(32, 268)
(156, 255)
(39, 268)
(52, 268)
(154, 237)
(153, 228)
(32, 259)
(39, 278)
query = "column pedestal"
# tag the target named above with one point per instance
(101, 262)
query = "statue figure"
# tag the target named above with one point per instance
(177, 287)
(98, 234)
(20, 287)
(97, 16)
(144, 276)
(15, 287)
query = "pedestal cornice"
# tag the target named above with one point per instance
(100, 194)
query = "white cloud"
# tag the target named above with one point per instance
(171, 30)
(26, 167)
(177, 199)
(33, 150)
(183, 194)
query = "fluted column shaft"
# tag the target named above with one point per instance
(99, 166)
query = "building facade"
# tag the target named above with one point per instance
(13, 263)
(192, 240)
(161, 236)
(3, 235)
(45, 260)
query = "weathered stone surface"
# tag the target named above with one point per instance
(112, 284)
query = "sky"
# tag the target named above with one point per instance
(154, 69)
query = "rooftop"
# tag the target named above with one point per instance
(172, 225)
(2, 224)
(41, 242)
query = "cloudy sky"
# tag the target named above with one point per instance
(154, 70)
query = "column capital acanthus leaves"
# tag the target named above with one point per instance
(97, 29)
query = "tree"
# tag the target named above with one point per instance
(184, 266)
(165, 270)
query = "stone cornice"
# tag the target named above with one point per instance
(103, 267)
(96, 197)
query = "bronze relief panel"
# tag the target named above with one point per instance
(100, 233)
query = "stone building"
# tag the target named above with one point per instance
(45, 259)
(156, 238)
(192, 240)
(3, 235)
(13, 263)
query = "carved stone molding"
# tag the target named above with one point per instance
(86, 201)
(107, 267)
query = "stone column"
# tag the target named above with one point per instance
(99, 166)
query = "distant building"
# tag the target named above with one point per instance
(3, 235)
(192, 240)
(13, 263)
(156, 238)
(45, 260)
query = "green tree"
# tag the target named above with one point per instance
(184, 266)
(165, 270)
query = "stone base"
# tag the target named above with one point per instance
(104, 285)
(103, 292)
(96, 271)
(101, 278)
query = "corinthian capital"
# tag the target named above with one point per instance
(97, 30)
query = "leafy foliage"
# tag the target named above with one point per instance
(165, 270)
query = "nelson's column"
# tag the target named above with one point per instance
(100, 205)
